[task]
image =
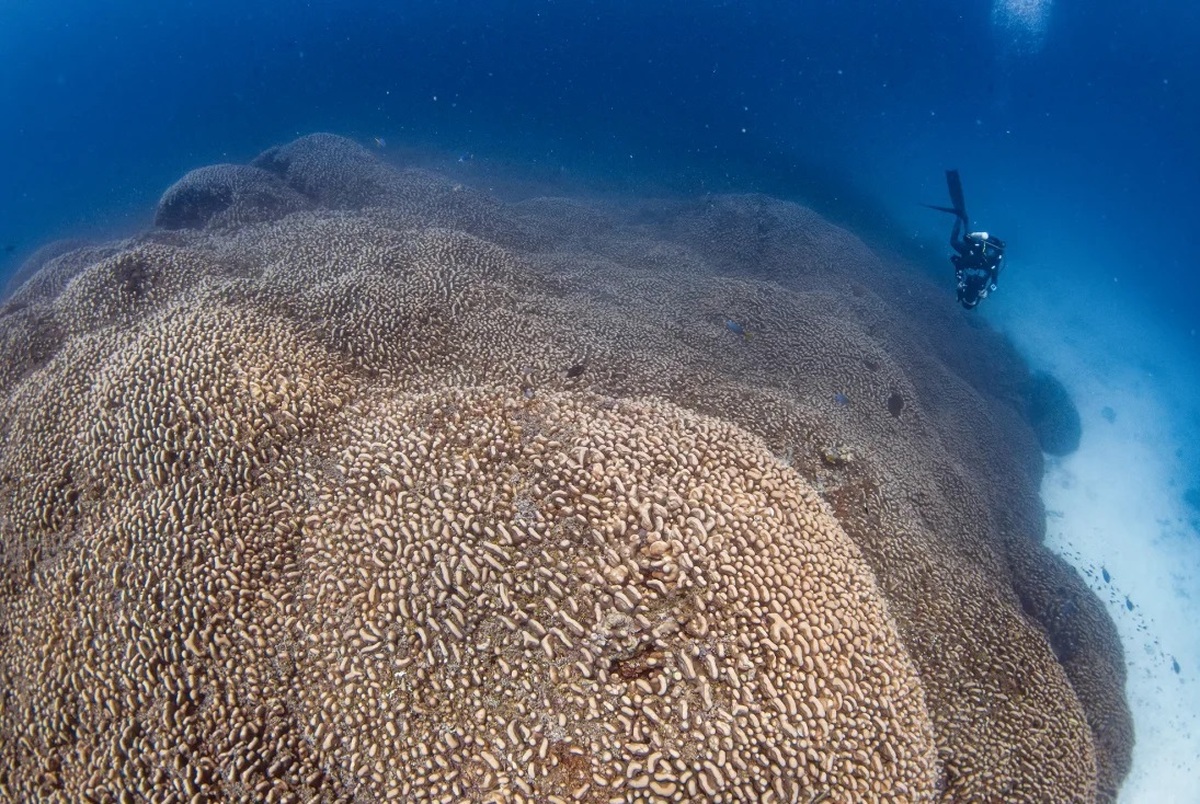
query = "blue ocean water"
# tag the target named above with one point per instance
(1073, 124)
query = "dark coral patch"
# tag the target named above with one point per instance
(1052, 414)
(220, 196)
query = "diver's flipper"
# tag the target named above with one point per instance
(959, 210)
(954, 183)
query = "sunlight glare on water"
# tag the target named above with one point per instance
(1024, 22)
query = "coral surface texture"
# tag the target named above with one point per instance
(349, 482)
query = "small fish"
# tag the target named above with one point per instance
(1104, 572)
(1128, 603)
(738, 329)
(380, 142)
(466, 158)
(1175, 665)
(577, 369)
(841, 399)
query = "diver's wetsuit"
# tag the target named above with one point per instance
(976, 265)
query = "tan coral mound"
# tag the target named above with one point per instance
(451, 594)
(311, 507)
(560, 596)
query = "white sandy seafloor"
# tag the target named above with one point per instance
(1117, 503)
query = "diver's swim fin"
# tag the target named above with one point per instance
(954, 183)
(959, 210)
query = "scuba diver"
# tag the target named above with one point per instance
(980, 255)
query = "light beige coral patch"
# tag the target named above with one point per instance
(578, 598)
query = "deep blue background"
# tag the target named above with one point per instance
(1080, 153)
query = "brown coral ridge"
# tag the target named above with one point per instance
(226, 196)
(452, 595)
(245, 480)
(586, 600)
